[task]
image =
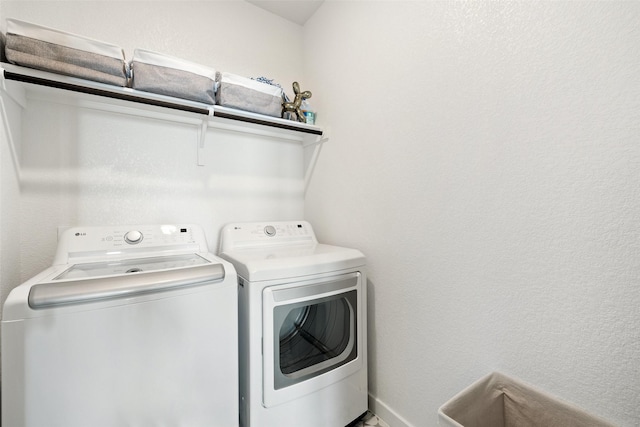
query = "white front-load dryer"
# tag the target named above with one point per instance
(130, 326)
(302, 326)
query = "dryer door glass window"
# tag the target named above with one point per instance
(314, 337)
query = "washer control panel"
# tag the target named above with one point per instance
(87, 240)
(133, 237)
(266, 233)
(146, 236)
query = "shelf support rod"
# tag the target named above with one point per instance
(202, 134)
(8, 133)
(317, 146)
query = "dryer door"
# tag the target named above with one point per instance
(312, 335)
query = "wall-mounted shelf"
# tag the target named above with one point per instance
(21, 83)
(42, 79)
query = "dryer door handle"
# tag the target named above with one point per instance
(82, 291)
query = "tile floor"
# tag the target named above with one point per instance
(371, 420)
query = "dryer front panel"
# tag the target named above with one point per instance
(312, 336)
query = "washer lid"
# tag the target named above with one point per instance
(124, 279)
(132, 265)
(282, 262)
(62, 288)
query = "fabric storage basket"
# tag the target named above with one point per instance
(48, 49)
(499, 401)
(3, 58)
(245, 94)
(167, 75)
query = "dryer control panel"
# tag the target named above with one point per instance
(259, 234)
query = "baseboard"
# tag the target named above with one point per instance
(387, 414)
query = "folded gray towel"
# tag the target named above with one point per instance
(3, 41)
(166, 75)
(48, 49)
(71, 62)
(245, 94)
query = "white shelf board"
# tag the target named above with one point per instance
(83, 93)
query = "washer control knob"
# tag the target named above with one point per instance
(133, 237)
(270, 230)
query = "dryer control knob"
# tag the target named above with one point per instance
(133, 237)
(270, 230)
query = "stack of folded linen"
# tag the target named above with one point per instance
(48, 49)
(246, 94)
(167, 75)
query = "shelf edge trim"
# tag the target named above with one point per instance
(8, 75)
(224, 115)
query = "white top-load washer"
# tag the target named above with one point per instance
(131, 326)
(302, 326)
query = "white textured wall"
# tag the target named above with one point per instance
(485, 157)
(99, 168)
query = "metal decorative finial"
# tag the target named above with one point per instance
(294, 107)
